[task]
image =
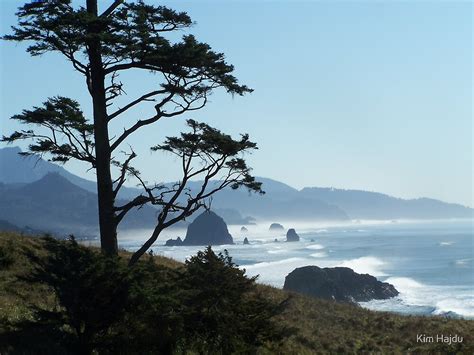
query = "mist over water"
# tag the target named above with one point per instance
(431, 263)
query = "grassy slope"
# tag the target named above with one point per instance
(318, 326)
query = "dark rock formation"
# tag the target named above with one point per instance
(208, 229)
(339, 284)
(276, 240)
(246, 241)
(174, 242)
(276, 227)
(243, 229)
(291, 236)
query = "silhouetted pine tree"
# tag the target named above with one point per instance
(102, 45)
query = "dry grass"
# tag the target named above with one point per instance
(315, 326)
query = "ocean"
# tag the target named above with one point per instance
(431, 263)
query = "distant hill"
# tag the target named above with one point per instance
(373, 205)
(54, 204)
(18, 169)
(8, 227)
(280, 203)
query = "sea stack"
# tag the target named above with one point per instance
(292, 236)
(246, 241)
(339, 284)
(208, 229)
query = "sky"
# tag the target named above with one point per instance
(373, 95)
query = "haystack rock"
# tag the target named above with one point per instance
(208, 229)
(339, 284)
(292, 236)
(246, 241)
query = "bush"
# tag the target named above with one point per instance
(154, 321)
(224, 311)
(91, 293)
(209, 307)
(103, 306)
(6, 256)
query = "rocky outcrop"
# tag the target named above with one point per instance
(243, 229)
(246, 241)
(208, 229)
(340, 284)
(292, 236)
(275, 227)
(174, 242)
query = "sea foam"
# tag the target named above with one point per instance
(417, 297)
(315, 247)
(365, 265)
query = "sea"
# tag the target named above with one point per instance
(431, 263)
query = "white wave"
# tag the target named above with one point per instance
(404, 283)
(274, 272)
(315, 247)
(411, 292)
(463, 306)
(277, 251)
(319, 255)
(272, 263)
(321, 231)
(463, 262)
(365, 265)
(434, 299)
(446, 243)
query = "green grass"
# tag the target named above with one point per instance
(315, 326)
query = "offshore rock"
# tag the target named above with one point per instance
(292, 236)
(208, 229)
(339, 284)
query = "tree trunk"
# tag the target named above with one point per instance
(107, 221)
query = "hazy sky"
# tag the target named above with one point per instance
(367, 95)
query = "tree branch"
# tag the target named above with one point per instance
(111, 8)
(124, 169)
(135, 102)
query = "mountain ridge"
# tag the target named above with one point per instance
(360, 204)
(55, 205)
(281, 201)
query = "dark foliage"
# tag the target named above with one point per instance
(91, 294)
(61, 117)
(154, 321)
(225, 312)
(6, 256)
(102, 306)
